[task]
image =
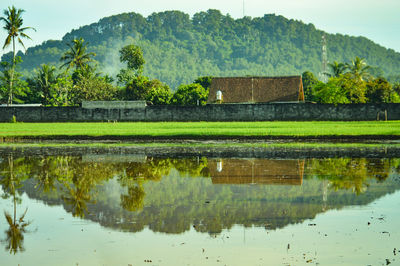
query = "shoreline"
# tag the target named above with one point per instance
(202, 138)
(206, 149)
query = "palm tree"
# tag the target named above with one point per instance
(45, 77)
(76, 56)
(359, 69)
(13, 25)
(337, 68)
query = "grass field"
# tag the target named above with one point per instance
(202, 129)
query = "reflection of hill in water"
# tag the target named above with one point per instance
(170, 195)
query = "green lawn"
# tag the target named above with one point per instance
(199, 129)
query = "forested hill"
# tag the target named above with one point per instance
(178, 48)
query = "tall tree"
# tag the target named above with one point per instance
(8, 76)
(132, 55)
(309, 82)
(77, 56)
(13, 25)
(359, 69)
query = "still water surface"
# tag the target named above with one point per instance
(138, 210)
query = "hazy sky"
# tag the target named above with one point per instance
(378, 20)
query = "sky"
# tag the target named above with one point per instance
(378, 20)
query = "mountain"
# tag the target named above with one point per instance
(179, 48)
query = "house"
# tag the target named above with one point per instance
(256, 89)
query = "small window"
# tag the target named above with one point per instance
(219, 95)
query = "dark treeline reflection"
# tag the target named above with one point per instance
(130, 192)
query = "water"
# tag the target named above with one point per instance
(138, 210)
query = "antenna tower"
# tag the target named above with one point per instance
(243, 8)
(324, 70)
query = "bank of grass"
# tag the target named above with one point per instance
(201, 129)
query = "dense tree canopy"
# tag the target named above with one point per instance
(192, 94)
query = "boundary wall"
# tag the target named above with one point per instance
(212, 112)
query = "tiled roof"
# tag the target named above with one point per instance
(257, 89)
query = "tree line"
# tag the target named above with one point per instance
(77, 77)
(350, 82)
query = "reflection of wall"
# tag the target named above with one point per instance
(114, 158)
(256, 171)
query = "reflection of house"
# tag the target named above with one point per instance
(256, 89)
(256, 171)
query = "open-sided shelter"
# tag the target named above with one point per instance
(256, 89)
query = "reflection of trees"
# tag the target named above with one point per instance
(79, 185)
(133, 201)
(194, 167)
(77, 198)
(349, 173)
(15, 234)
(153, 169)
(135, 175)
(47, 171)
(10, 181)
(179, 203)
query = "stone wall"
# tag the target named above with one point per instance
(213, 112)
(113, 104)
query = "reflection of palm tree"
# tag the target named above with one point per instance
(15, 233)
(78, 198)
(17, 228)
